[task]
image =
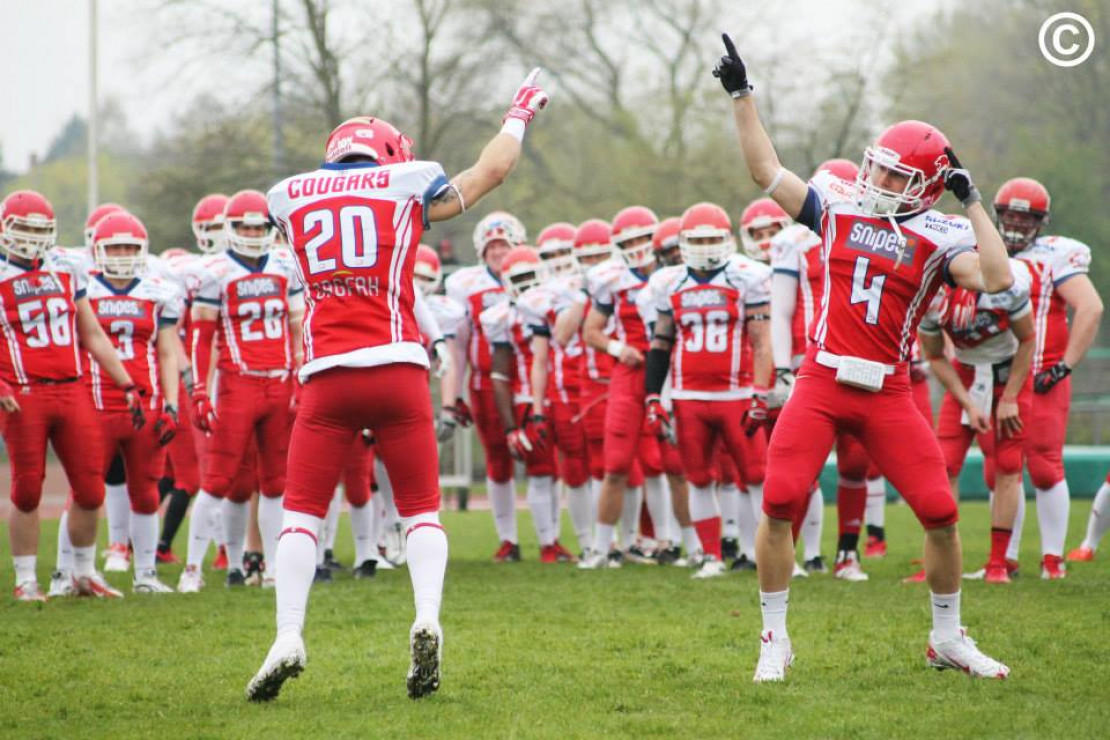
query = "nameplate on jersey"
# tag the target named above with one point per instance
(860, 373)
(880, 241)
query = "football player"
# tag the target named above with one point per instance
(354, 225)
(886, 254)
(1097, 524)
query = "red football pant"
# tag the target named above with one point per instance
(541, 460)
(499, 463)
(624, 419)
(63, 415)
(143, 458)
(1044, 450)
(921, 397)
(394, 402)
(249, 408)
(725, 471)
(570, 441)
(594, 424)
(700, 424)
(893, 431)
(181, 453)
(358, 473)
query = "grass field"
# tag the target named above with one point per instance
(548, 651)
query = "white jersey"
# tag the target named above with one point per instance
(476, 289)
(448, 313)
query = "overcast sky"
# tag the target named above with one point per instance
(44, 56)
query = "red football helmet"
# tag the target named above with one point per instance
(116, 230)
(498, 225)
(912, 150)
(761, 215)
(592, 242)
(248, 208)
(555, 245)
(27, 225)
(1022, 208)
(94, 218)
(845, 169)
(705, 237)
(380, 140)
(633, 224)
(428, 272)
(665, 241)
(521, 270)
(208, 223)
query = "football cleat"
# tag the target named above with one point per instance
(166, 557)
(996, 573)
(875, 548)
(1053, 568)
(847, 568)
(669, 555)
(730, 548)
(235, 578)
(285, 660)
(61, 584)
(147, 583)
(816, 565)
(269, 582)
(366, 569)
(711, 567)
(323, 575)
(220, 563)
(639, 555)
(775, 657)
(28, 591)
(191, 582)
(426, 645)
(509, 552)
(331, 562)
(918, 577)
(961, 653)
(253, 566)
(95, 585)
(548, 554)
(799, 572)
(117, 559)
(384, 563)
(594, 560)
(742, 563)
(564, 555)
(1081, 554)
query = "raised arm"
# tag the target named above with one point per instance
(987, 270)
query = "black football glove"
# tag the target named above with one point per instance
(957, 181)
(731, 71)
(1045, 379)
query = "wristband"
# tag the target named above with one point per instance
(499, 376)
(614, 348)
(515, 128)
(776, 181)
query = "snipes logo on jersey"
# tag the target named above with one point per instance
(880, 241)
(493, 297)
(260, 287)
(118, 309)
(37, 285)
(701, 299)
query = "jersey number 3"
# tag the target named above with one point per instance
(871, 294)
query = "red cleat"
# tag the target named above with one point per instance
(564, 555)
(875, 548)
(29, 591)
(549, 554)
(1081, 555)
(220, 563)
(918, 577)
(167, 557)
(1053, 568)
(997, 573)
(95, 586)
(509, 552)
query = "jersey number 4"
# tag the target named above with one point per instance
(871, 294)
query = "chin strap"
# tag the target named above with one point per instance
(901, 240)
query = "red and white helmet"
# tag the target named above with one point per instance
(593, 242)
(372, 137)
(845, 169)
(521, 271)
(174, 253)
(94, 218)
(248, 208)
(428, 271)
(208, 223)
(633, 223)
(705, 237)
(912, 149)
(27, 225)
(120, 229)
(665, 241)
(761, 214)
(495, 226)
(555, 245)
(1030, 199)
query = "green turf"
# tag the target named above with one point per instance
(548, 651)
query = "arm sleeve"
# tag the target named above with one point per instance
(425, 319)
(1070, 258)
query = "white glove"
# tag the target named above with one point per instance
(443, 361)
(784, 386)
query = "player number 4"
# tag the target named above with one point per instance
(870, 294)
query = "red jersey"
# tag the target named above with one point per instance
(476, 289)
(38, 315)
(1051, 261)
(504, 325)
(613, 287)
(539, 309)
(873, 300)
(709, 316)
(796, 251)
(131, 317)
(354, 228)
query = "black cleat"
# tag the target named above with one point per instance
(330, 561)
(252, 568)
(669, 555)
(742, 563)
(368, 569)
(617, 557)
(323, 575)
(816, 565)
(730, 548)
(235, 577)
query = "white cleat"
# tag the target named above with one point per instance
(775, 656)
(799, 571)
(691, 560)
(285, 660)
(61, 584)
(192, 581)
(117, 559)
(711, 567)
(384, 564)
(594, 560)
(269, 582)
(848, 569)
(28, 591)
(976, 575)
(426, 644)
(95, 585)
(147, 582)
(961, 653)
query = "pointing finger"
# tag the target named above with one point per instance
(730, 47)
(952, 159)
(530, 80)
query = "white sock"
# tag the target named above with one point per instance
(426, 545)
(117, 507)
(332, 522)
(729, 495)
(691, 543)
(200, 528)
(84, 561)
(25, 566)
(603, 539)
(502, 499)
(582, 515)
(630, 515)
(364, 532)
(270, 516)
(657, 494)
(216, 523)
(755, 493)
(946, 616)
(390, 517)
(1053, 507)
(1014, 549)
(65, 546)
(1099, 520)
(296, 566)
(747, 525)
(540, 490)
(674, 530)
(813, 524)
(774, 604)
(875, 513)
(235, 531)
(556, 510)
(144, 538)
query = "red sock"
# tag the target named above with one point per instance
(709, 532)
(1000, 541)
(851, 502)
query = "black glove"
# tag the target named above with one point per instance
(1045, 379)
(957, 181)
(731, 71)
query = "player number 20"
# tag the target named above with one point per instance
(872, 294)
(358, 237)
(708, 333)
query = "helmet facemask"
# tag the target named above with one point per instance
(122, 266)
(635, 247)
(28, 237)
(756, 237)
(427, 278)
(705, 247)
(210, 235)
(558, 258)
(255, 246)
(521, 280)
(878, 201)
(1019, 226)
